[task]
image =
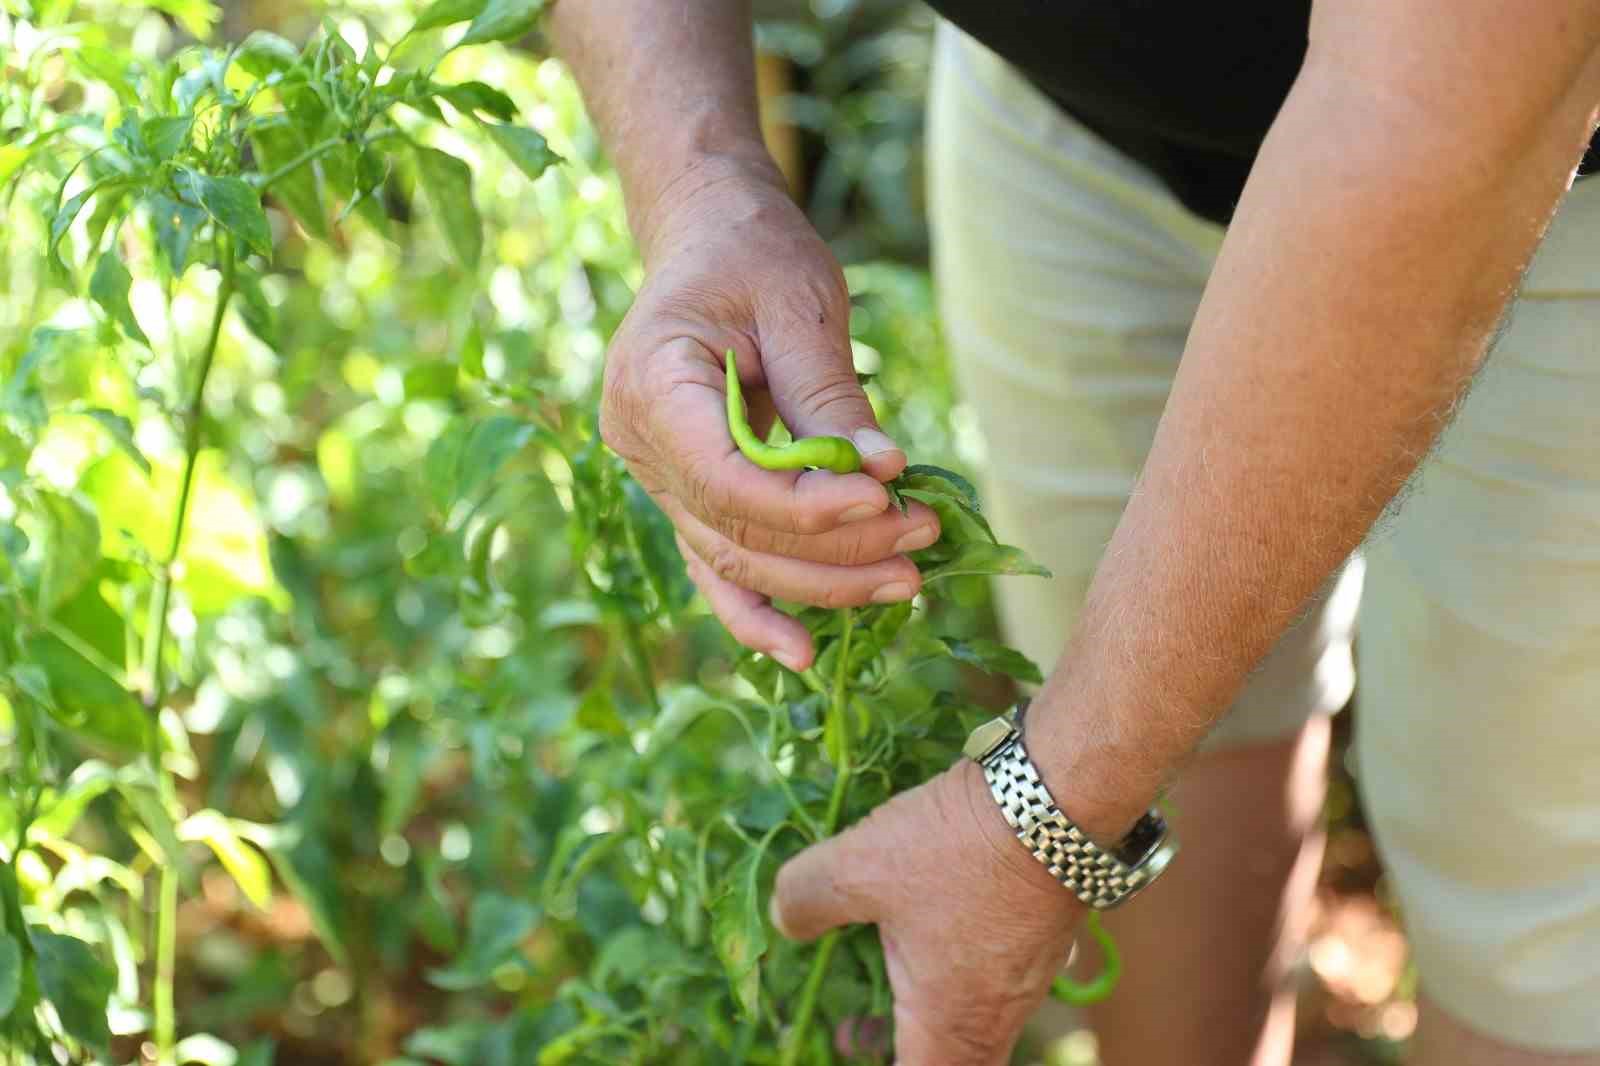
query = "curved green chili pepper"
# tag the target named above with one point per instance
(826, 453)
(1086, 993)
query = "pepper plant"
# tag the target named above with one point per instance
(201, 671)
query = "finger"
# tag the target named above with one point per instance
(688, 425)
(921, 1039)
(892, 580)
(752, 620)
(871, 540)
(814, 891)
(812, 378)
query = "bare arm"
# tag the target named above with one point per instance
(671, 85)
(1401, 192)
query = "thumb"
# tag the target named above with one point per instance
(815, 891)
(812, 380)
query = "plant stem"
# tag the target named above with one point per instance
(166, 1019)
(165, 1027)
(321, 148)
(641, 663)
(156, 634)
(841, 784)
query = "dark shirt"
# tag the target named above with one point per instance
(1186, 88)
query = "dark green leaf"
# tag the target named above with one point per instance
(993, 657)
(493, 441)
(87, 700)
(175, 224)
(524, 147)
(307, 870)
(76, 983)
(10, 973)
(231, 203)
(108, 287)
(253, 307)
(496, 928)
(445, 12)
(64, 216)
(470, 96)
(503, 20)
(958, 523)
(914, 476)
(299, 190)
(447, 183)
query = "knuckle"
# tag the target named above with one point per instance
(729, 563)
(828, 392)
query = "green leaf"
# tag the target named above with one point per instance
(166, 137)
(71, 535)
(502, 20)
(76, 983)
(597, 711)
(919, 476)
(447, 183)
(306, 869)
(13, 157)
(980, 557)
(738, 929)
(231, 203)
(67, 212)
(681, 708)
(993, 657)
(263, 53)
(496, 927)
(175, 224)
(246, 866)
(470, 96)
(958, 523)
(445, 12)
(299, 190)
(490, 446)
(121, 431)
(10, 973)
(108, 287)
(86, 699)
(524, 147)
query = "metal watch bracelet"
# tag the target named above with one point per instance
(1101, 877)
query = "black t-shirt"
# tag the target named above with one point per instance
(1188, 89)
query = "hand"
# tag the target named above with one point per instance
(973, 927)
(734, 264)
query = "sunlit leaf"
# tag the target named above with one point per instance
(979, 557)
(524, 147)
(299, 190)
(246, 866)
(503, 20)
(447, 183)
(445, 12)
(109, 287)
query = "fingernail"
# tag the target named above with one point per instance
(858, 512)
(794, 660)
(894, 592)
(916, 540)
(872, 442)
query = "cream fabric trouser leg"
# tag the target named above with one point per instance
(1068, 277)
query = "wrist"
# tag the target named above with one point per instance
(704, 189)
(1098, 777)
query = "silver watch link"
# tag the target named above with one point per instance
(1101, 877)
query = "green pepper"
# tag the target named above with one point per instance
(1086, 993)
(825, 453)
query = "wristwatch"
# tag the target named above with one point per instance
(1101, 877)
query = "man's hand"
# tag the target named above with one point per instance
(734, 264)
(973, 927)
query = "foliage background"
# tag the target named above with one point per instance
(404, 638)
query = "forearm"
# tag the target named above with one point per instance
(1371, 256)
(671, 86)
